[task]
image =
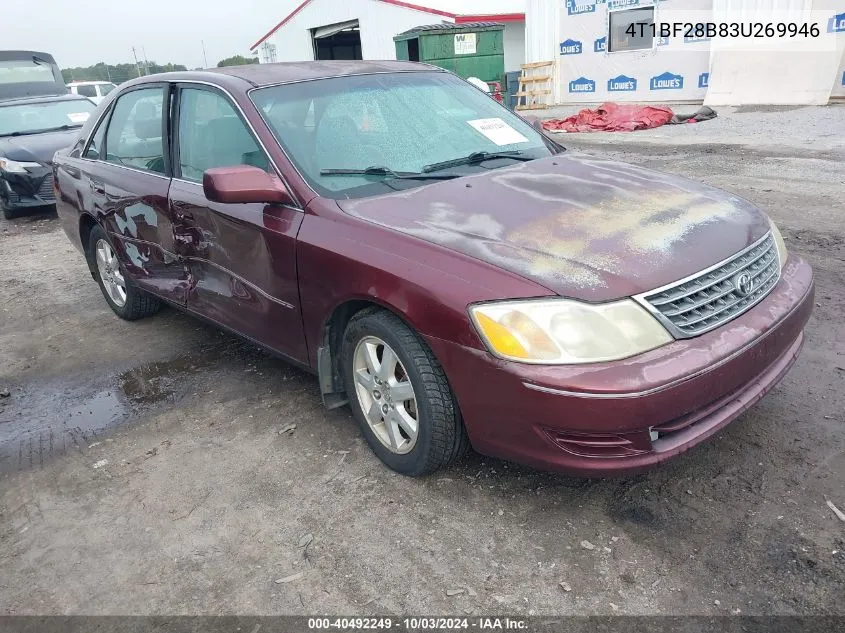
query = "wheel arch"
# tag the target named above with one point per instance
(86, 225)
(329, 370)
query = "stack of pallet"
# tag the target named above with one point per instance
(535, 86)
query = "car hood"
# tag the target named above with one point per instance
(584, 227)
(36, 147)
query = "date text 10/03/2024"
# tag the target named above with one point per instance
(419, 624)
(723, 29)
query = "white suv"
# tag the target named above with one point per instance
(94, 90)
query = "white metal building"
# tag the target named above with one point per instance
(598, 61)
(595, 58)
(364, 29)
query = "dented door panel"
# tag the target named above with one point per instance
(133, 208)
(242, 262)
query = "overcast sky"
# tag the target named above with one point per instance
(84, 32)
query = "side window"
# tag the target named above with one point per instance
(95, 147)
(87, 91)
(211, 134)
(621, 37)
(134, 135)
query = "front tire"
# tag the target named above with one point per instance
(7, 212)
(399, 395)
(126, 301)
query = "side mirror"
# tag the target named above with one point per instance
(244, 184)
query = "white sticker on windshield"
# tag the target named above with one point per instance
(498, 131)
(78, 117)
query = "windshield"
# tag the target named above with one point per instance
(31, 118)
(404, 122)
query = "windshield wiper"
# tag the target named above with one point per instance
(386, 171)
(475, 158)
(48, 129)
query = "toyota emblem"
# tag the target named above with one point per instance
(744, 284)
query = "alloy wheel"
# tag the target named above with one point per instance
(386, 395)
(109, 270)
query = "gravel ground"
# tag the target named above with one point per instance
(152, 467)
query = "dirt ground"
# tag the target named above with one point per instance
(145, 469)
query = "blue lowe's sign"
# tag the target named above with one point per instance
(666, 81)
(620, 4)
(836, 24)
(663, 41)
(576, 7)
(843, 79)
(600, 45)
(582, 84)
(571, 47)
(692, 38)
(703, 80)
(622, 83)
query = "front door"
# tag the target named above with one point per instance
(241, 257)
(129, 183)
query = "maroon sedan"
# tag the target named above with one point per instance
(446, 270)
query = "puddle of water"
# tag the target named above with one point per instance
(38, 421)
(156, 382)
(35, 425)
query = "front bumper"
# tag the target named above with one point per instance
(24, 191)
(626, 416)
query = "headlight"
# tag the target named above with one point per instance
(779, 244)
(562, 331)
(15, 167)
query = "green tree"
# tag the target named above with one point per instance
(116, 73)
(237, 60)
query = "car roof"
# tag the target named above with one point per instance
(289, 72)
(89, 83)
(43, 99)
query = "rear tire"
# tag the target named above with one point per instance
(411, 390)
(126, 300)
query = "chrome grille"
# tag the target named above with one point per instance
(709, 299)
(45, 191)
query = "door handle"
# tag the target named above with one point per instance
(98, 187)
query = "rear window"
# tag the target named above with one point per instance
(25, 71)
(87, 91)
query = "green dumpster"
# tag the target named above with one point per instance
(473, 49)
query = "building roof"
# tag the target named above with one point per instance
(456, 10)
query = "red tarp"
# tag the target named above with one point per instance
(612, 117)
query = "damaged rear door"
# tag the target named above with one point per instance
(129, 183)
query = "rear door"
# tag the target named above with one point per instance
(241, 257)
(128, 171)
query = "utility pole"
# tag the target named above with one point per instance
(137, 65)
(146, 61)
(204, 56)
